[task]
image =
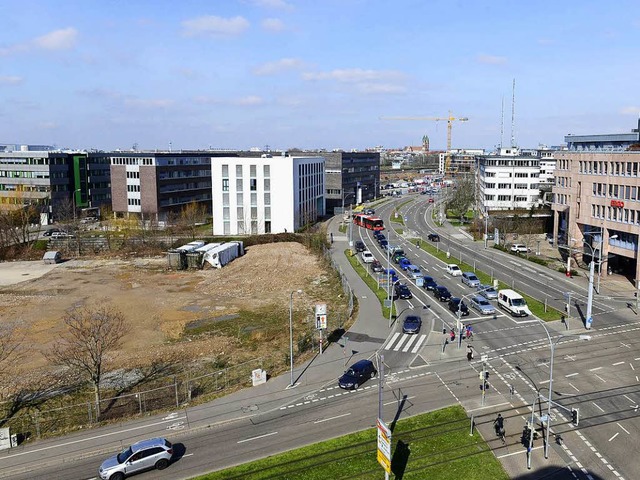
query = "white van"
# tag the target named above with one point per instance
(367, 257)
(512, 302)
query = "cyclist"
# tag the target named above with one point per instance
(469, 332)
(498, 424)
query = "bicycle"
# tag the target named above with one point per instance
(501, 434)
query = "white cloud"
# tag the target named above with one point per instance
(249, 101)
(631, 110)
(10, 80)
(214, 26)
(271, 68)
(491, 59)
(354, 75)
(273, 25)
(64, 39)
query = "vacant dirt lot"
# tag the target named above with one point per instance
(158, 302)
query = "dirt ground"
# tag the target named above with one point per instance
(156, 301)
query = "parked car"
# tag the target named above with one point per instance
(441, 293)
(360, 246)
(376, 266)
(454, 270)
(145, 455)
(434, 237)
(456, 304)
(377, 234)
(403, 291)
(482, 305)
(396, 249)
(519, 248)
(383, 244)
(393, 276)
(51, 231)
(357, 374)
(414, 271)
(397, 257)
(404, 263)
(411, 324)
(431, 200)
(470, 279)
(367, 256)
(488, 292)
(429, 283)
(369, 211)
(381, 238)
(61, 234)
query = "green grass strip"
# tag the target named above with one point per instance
(431, 445)
(371, 282)
(536, 306)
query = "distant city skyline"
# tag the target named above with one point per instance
(312, 75)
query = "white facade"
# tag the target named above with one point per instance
(508, 180)
(256, 195)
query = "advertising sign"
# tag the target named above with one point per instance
(384, 446)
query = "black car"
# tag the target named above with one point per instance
(403, 292)
(369, 211)
(357, 374)
(442, 293)
(383, 244)
(455, 303)
(360, 246)
(429, 283)
(411, 324)
(376, 266)
(434, 237)
(381, 238)
(377, 234)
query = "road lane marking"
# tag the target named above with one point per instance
(400, 342)
(390, 342)
(625, 430)
(573, 375)
(256, 438)
(598, 407)
(419, 344)
(617, 433)
(574, 387)
(396, 401)
(601, 378)
(594, 369)
(332, 418)
(412, 339)
(617, 363)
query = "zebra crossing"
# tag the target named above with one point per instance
(403, 342)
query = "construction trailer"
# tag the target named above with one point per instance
(195, 259)
(177, 257)
(219, 256)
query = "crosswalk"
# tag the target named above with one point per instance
(403, 342)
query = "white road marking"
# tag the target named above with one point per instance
(601, 378)
(400, 342)
(594, 369)
(412, 339)
(574, 387)
(572, 375)
(393, 339)
(625, 430)
(598, 407)
(256, 438)
(419, 344)
(617, 363)
(618, 433)
(628, 398)
(332, 418)
(396, 401)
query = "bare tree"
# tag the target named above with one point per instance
(461, 197)
(11, 350)
(93, 334)
(191, 215)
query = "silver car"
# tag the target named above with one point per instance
(488, 292)
(145, 455)
(482, 305)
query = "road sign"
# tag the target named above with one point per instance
(321, 322)
(321, 309)
(384, 446)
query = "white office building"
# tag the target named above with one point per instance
(256, 195)
(508, 180)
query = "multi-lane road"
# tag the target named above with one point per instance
(597, 376)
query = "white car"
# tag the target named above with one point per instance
(454, 270)
(367, 257)
(519, 248)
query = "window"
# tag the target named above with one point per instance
(504, 185)
(267, 184)
(253, 184)
(239, 184)
(254, 199)
(252, 171)
(267, 199)
(239, 171)
(225, 171)
(266, 169)
(225, 184)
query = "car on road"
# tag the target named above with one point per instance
(376, 266)
(357, 374)
(381, 238)
(431, 200)
(404, 263)
(442, 293)
(51, 231)
(456, 304)
(393, 276)
(360, 247)
(429, 283)
(482, 305)
(488, 292)
(383, 244)
(434, 237)
(411, 324)
(470, 279)
(414, 272)
(519, 248)
(369, 211)
(454, 270)
(61, 234)
(403, 291)
(377, 234)
(367, 257)
(145, 455)
(397, 257)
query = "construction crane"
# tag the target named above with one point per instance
(450, 119)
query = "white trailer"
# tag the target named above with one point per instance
(177, 257)
(195, 259)
(219, 256)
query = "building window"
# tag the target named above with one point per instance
(238, 184)
(253, 184)
(267, 199)
(267, 226)
(225, 171)
(252, 171)
(239, 171)
(267, 184)
(225, 184)
(266, 169)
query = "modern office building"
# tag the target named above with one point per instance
(266, 194)
(157, 185)
(351, 178)
(596, 199)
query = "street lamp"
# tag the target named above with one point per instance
(344, 197)
(73, 199)
(291, 385)
(390, 297)
(592, 265)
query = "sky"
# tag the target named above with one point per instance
(311, 74)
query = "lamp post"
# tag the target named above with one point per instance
(592, 265)
(390, 297)
(344, 197)
(291, 384)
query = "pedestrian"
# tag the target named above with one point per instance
(469, 332)
(331, 235)
(452, 335)
(469, 353)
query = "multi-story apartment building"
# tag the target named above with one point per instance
(508, 180)
(596, 199)
(155, 185)
(266, 194)
(351, 178)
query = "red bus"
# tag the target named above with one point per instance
(368, 221)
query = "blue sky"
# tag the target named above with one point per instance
(314, 74)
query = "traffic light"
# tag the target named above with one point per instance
(486, 375)
(575, 413)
